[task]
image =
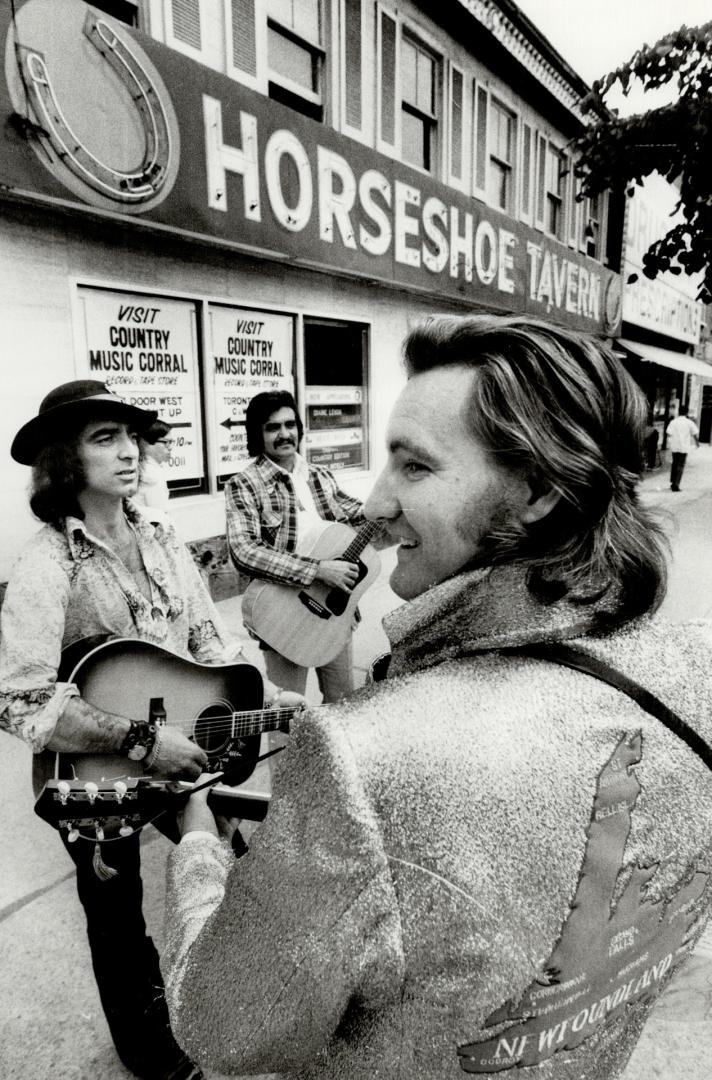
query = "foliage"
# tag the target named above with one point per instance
(674, 140)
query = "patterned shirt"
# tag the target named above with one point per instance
(68, 585)
(261, 509)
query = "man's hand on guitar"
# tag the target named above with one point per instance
(337, 573)
(178, 756)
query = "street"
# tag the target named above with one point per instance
(51, 1024)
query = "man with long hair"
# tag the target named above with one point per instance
(276, 506)
(101, 566)
(485, 862)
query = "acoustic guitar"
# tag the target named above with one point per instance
(311, 625)
(142, 681)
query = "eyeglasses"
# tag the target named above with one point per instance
(168, 443)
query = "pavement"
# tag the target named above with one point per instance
(51, 1024)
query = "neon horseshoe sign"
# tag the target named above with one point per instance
(134, 188)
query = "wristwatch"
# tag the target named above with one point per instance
(139, 739)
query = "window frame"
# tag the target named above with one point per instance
(495, 101)
(316, 51)
(431, 121)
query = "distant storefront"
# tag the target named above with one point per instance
(661, 318)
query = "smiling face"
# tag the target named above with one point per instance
(108, 453)
(281, 437)
(440, 491)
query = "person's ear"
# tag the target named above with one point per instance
(541, 500)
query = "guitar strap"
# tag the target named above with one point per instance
(571, 657)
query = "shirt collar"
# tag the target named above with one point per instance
(273, 472)
(145, 521)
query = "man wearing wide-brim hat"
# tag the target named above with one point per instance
(100, 566)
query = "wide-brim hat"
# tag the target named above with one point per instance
(69, 405)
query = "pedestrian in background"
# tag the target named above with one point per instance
(682, 434)
(156, 445)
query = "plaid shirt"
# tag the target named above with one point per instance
(261, 508)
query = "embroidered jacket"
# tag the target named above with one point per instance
(68, 585)
(261, 512)
(481, 865)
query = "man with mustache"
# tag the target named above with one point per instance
(275, 508)
(485, 863)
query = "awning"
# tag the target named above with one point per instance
(666, 358)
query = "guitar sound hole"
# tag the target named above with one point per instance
(212, 729)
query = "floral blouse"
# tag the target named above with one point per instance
(68, 585)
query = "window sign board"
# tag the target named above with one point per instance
(146, 349)
(335, 426)
(250, 352)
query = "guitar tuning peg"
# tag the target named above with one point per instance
(120, 789)
(92, 790)
(73, 835)
(125, 830)
(63, 787)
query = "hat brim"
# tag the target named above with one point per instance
(53, 424)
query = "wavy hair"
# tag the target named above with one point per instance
(57, 479)
(258, 413)
(558, 408)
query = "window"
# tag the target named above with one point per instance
(590, 222)
(551, 169)
(418, 100)
(336, 427)
(295, 55)
(500, 165)
(126, 11)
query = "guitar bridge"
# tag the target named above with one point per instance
(314, 606)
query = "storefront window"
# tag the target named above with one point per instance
(335, 393)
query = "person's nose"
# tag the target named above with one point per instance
(382, 504)
(128, 447)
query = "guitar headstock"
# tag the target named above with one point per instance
(93, 810)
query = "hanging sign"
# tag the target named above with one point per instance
(146, 349)
(251, 351)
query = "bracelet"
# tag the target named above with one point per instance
(154, 751)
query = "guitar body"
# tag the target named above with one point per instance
(128, 677)
(310, 625)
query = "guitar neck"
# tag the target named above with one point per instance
(363, 537)
(259, 721)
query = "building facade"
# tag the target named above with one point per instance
(202, 199)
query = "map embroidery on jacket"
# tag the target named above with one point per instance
(607, 958)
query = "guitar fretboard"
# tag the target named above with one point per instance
(257, 721)
(365, 534)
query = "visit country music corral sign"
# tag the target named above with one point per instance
(102, 118)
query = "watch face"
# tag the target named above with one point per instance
(138, 752)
